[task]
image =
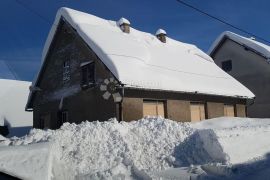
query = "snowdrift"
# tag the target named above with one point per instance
(143, 149)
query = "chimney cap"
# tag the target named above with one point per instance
(123, 21)
(161, 31)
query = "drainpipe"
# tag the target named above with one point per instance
(121, 103)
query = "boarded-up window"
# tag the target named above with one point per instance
(197, 111)
(153, 108)
(229, 110)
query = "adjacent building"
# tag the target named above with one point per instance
(248, 61)
(96, 69)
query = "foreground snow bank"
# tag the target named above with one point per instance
(143, 149)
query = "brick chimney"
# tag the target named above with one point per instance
(124, 24)
(161, 35)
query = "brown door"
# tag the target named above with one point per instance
(197, 112)
(153, 108)
(229, 110)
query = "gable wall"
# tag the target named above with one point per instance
(252, 71)
(82, 104)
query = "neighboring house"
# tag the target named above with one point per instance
(13, 95)
(96, 69)
(248, 61)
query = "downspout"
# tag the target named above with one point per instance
(121, 103)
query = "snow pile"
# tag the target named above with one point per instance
(143, 149)
(242, 139)
(13, 96)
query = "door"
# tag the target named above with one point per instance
(229, 110)
(153, 108)
(197, 111)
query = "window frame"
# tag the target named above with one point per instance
(86, 66)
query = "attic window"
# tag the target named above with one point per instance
(88, 74)
(226, 65)
(66, 71)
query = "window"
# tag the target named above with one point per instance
(229, 110)
(64, 117)
(45, 121)
(197, 111)
(227, 65)
(153, 108)
(66, 71)
(88, 74)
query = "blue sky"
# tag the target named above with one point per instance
(23, 33)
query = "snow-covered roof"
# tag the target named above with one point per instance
(138, 59)
(258, 47)
(13, 95)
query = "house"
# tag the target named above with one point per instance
(96, 69)
(248, 61)
(14, 121)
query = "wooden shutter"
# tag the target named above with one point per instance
(229, 110)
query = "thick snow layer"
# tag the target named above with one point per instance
(140, 60)
(248, 42)
(13, 95)
(144, 149)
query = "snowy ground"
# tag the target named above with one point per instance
(151, 148)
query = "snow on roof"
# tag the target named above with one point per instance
(140, 60)
(123, 21)
(13, 95)
(160, 31)
(248, 42)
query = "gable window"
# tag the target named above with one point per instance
(66, 71)
(229, 110)
(226, 65)
(197, 110)
(153, 108)
(88, 74)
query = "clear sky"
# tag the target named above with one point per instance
(23, 33)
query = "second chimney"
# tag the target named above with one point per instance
(124, 25)
(161, 35)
